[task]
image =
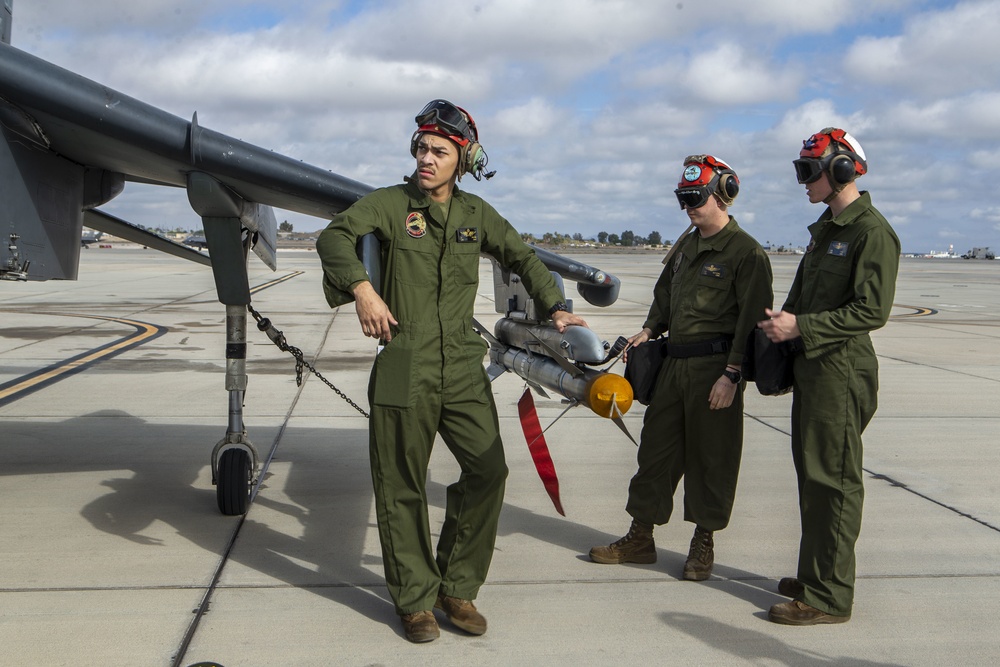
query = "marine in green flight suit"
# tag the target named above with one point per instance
(708, 298)
(843, 290)
(429, 377)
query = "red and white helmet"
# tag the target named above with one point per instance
(834, 152)
(704, 176)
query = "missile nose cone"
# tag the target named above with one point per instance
(607, 391)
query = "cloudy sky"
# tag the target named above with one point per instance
(586, 107)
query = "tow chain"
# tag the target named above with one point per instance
(278, 338)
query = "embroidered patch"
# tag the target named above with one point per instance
(467, 235)
(714, 270)
(416, 226)
(677, 262)
(838, 249)
(811, 246)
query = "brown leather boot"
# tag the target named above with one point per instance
(462, 613)
(636, 547)
(701, 556)
(790, 587)
(420, 626)
(797, 612)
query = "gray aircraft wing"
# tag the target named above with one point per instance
(70, 145)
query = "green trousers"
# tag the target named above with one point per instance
(447, 394)
(682, 437)
(835, 398)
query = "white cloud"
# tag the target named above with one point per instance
(976, 115)
(586, 107)
(953, 50)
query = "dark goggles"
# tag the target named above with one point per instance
(808, 169)
(449, 118)
(694, 197)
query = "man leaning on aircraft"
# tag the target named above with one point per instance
(429, 378)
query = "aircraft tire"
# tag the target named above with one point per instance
(233, 486)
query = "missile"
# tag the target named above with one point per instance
(577, 343)
(543, 358)
(607, 394)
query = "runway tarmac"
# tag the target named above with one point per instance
(114, 551)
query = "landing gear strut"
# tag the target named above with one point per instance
(235, 463)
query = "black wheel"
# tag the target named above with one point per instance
(232, 488)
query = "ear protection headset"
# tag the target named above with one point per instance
(718, 174)
(838, 154)
(472, 158)
(443, 118)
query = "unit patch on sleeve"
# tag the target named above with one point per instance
(416, 225)
(714, 270)
(838, 249)
(467, 235)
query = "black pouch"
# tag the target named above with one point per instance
(769, 365)
(642, 367)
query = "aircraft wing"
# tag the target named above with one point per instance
(71, 144)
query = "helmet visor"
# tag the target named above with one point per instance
(693, 197)
(448, 117)
(808, 169)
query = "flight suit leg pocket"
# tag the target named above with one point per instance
(474, 350)
(392, 381)
(864, 387)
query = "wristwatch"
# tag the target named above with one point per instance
(557, 306)
(734, 376)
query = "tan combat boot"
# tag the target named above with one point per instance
(420, 626)
(701, 556)
(636, 547)
(462, 613)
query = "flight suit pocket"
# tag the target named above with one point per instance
(833, 274)
(416, 262)
(465, 259)
(473, 384)
(712, 295)
(864, 388)
(391, 379)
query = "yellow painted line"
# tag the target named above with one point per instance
(276, 281)
(919, 311)
(144, 332)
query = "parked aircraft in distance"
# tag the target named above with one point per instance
(90, 236)
(943, 255)
(196, 241)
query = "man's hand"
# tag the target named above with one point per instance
(376, 320)
(635, 340)
(562, 319)
(722, 394)
(780, 327)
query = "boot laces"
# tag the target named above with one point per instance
(634, 534)
(701, 543)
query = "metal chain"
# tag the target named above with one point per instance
(278, 338)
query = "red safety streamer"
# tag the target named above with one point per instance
(539, 450)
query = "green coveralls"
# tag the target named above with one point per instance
(430, 379)
(713, 287)
(843, 290)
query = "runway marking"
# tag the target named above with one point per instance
(276, 281)
(919, 311)
(27, 384)
(32, 382)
